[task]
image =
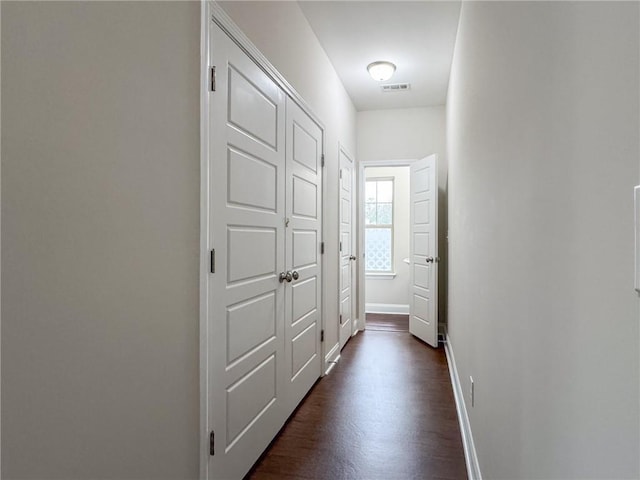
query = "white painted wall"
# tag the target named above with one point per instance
(543, 140)
(281, 32)
(411, 133)
(100, 239)
(394, 291)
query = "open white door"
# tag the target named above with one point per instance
(423, 319)
(347, 248)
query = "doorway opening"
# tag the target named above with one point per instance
(386, 247)
(398, 237)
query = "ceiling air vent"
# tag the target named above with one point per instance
(395, 87)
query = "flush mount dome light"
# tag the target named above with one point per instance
(381, 71)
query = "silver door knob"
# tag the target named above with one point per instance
(353, 257)
(295, 275)
(285, 276)
(430, 259)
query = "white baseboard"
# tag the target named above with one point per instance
(387, 308)
(470, 456)
(331, 358)
(357, 326)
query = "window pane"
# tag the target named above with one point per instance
(385, 191)
(370, 213)
(385, 213)
(370, 192)
(378, 249)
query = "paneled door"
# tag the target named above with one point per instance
(303, 240)
(265, 231)
(247, 230)
(347, 248)
(423, 304)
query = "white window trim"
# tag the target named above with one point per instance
(381, 276)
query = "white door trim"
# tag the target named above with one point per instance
(361, 277)
(205, 15)
(210, 12)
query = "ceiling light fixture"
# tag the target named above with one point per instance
(381, 71)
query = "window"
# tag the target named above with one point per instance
(378, 214)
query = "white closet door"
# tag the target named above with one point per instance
(303, 237)
(247, 205)
(347, 248)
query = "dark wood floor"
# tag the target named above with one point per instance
(387, 322)
(386, 411)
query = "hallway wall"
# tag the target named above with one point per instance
(281, 32)
(411, 133)
(100, 239)
(543, 142)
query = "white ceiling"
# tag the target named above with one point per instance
(417, 36)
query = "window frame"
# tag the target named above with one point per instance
(390, 226)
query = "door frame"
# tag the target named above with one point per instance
(210, 13)
(361, 276)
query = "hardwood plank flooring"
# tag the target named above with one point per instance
(386, 411)
(387, 322)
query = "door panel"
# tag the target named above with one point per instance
(304, 298)
(252, 181)
(304, 350)
(250, 323)
(246, 300)
(423, 319)
(305, 253)
(303, 236)
(347, 251)
(305, 195)
(250, 396)
(305, 147)
(252, 108)
(261, 242)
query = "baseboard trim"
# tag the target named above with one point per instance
(393, 308)
(356, 327)
(331, 359)
(470, 455)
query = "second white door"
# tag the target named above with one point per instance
(423, 250)
(347, 249)
(303, 225)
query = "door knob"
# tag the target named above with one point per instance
(353, 257)
(430, 259)
(285, 276)
(295, 275)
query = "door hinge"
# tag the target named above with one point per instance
(322, 160)
(322, 248)
(322, 335)
(340, 246)
(212, 443)
(340, 173)
(213, 261)
(212, 79)
(340, 319)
